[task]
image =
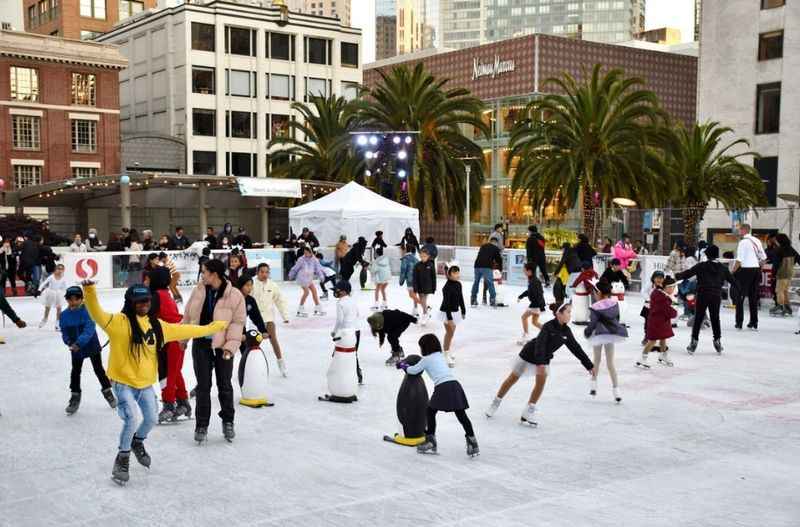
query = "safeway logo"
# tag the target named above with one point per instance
(86, 268)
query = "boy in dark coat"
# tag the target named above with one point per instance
(390, 324)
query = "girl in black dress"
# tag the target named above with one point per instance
(453, 310)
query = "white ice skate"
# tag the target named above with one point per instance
(450, 356)
(528, 415)
(493, 407)
(282, 367)
(301, 312)
(318, 311)
(617, 396)
(663, 359)
(415, 312)
(642, 363)
(423, 320)
(523, 339)
(384, 305)
(375, 307)
(42, 323)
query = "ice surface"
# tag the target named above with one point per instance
(710, 442)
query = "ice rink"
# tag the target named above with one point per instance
(714, 441)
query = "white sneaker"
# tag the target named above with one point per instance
(524, 339)
(282, 367)
(528, 415)
(617, 397)
(593, 388)
(450, 357)
(301, 312)
(493, 407)
(42, 323)
(318, 311)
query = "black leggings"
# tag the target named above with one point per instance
(461, 415)
(77, 366)
(331, 279)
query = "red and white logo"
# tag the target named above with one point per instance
(86, 268)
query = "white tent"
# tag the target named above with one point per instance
(354, 211)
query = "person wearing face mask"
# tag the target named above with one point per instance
(94, 243)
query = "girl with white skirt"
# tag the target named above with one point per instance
(603, 332)
(453, 310)
(52, 290)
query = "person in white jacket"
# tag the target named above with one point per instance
(347, 317)
(77, 245)
(268, 296)
(381, 274)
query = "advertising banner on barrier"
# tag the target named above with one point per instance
(187, 263)
(515, 266)
(651, 264)
(272, 257)
(88, 266)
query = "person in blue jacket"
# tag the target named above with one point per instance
(407, 264)
(79, 334)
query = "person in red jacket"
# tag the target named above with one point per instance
(170, 360)
(658, 328)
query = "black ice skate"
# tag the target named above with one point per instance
(429, 446)
(74, 403)
(201, 434)
(167, 414)
(141, 454)
(183, 408)
(110, 399)
(718, 345)
(472, 447)
(119, 474)
(227, 431)
(692, 347)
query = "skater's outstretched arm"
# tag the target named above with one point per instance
(173, 332)
(689, 273)
(576, 350)
(112, 324)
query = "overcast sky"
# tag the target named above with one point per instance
(659, 13)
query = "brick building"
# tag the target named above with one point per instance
(59, 109)
(79, 19)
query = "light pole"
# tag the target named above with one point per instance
(467, 219)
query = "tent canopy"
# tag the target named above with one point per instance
(354, 211)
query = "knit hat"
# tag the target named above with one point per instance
(73, 291)
(712, 252)
(429, 343)
(375, 321)
(137, 293)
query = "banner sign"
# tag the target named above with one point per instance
(266, 187)
(88, 266)
(272, 257)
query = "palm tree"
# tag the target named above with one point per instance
(317, 146)
(413, 100)
(708, 170)
(594, 140)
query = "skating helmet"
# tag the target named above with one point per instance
(342, 285)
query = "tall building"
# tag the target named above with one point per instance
(747, 64)
(465, 23)
(59, 109)
(385, 36)
(698, 11)
(79, 19)
(410, 26)
(223, 76)
(331, 8)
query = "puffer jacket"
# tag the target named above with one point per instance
(230, 307)
(624, 253)
(381, 269)
(268, 295)
(604, 325)
(305, 269)
(407, 263)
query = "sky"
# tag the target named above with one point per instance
(658, 13)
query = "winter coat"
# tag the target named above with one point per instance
(47, 258)
(243, 240)
(305, 269)
(624, 253)
(29, 255)
(395, 322)
(676, 263)
(378, 242)
(381, 269)
(604, 325)
(77, 327)
(553, 335)
(75, 247)
(585, 252)
(534, 293)
(453, 299)
(489, 257)
(659, 318)
(407, 264)
(230, 307)
(179, 244)
(410, 240)
(425, 278)
(534, 248)
(570, 260)
(611, 276)
(711, 275)
(268, 294)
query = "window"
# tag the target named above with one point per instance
(318, 51)
(281, 87)
(316, 86)
(203, 80)
(204, 122)
(204, 163)
(25, 132)
(89, 35)
(240, 83)
(280, 46)
(279, 126)
(241, 164)
(84, 88)
(350, 90)
(241, 124)
(79, 172)
(768, 170)
(84, 136)
(240, 41)
(93, 9)
(33, 20)
(768, 108)
(349, 54)
(203, 37)
(769, 4)
(27, 175)
(128, 8)
(770, 45)
(24, 84)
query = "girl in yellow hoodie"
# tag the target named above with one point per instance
(135, 337)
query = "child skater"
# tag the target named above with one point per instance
(268, 296)
(136, 335)
(452, 312)
(390, 324)
(79, 334)
(424, 283)
(535, 295)
(304, 270)
(605, 330)
(407, 265)
(330, 275)
(659, 323)
(656, 282)
(52, 290)
(448, 395)
(381, 274)
(347, 317)
(535, 358)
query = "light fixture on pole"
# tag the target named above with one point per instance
(624, 204)
(468, 170)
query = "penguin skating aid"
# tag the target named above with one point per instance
(412, 402)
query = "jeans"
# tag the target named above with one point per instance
(207, 360)
(748, 279)
(77, 366)
(128, 398)
(36, 275)
(485, 274)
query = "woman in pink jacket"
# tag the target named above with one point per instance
(623, 251)
(304, 271)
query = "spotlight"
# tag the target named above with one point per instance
(373, 140)
(368, 173)
(368, 154)
(396, 139)
(401, 174)
(408, 139)
(402, 154)
(361, 140)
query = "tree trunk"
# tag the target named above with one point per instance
(589, 214)
(692, 216)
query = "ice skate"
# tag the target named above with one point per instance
(201, 434)
(58, 328)
(593, 388)
(776, 311)
(663, 359)
(384, 305)
(642, 363)
(718, 345)
(318, 311)
(617, 396)
(528, 415)
(375, 307)
(74, 403)
(423, 320)
(429, 446)
(228, 432)
(282, 368)
(415, 312)
(472, 447)
(108, 394)
(393, 359)
(692, 347)
(450, 357)
(42, 323)
(119, 474)
(473, 305)
(183, 408)
(301, 312)
(493, 407)
(523, 339)
(141, 454)
(168, 414)
(324, 296)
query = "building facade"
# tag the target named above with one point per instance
(59, 109)
(662, 35)
(223, 77)
(11, 15)
(507, 75)
(749, 75)
(79, 19)
(410, 26)
(331, 8)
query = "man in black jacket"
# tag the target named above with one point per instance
(711, 275)
(179, 242)
(488, 259)
(534, 250)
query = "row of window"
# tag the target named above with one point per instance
(26, 134)
(242, 125)
(43, 12)
(29, 175)
(25, 86)
(239, 164)
(279, 46)
(241, 83)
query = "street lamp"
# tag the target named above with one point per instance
(468, 170)
(624, 204)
